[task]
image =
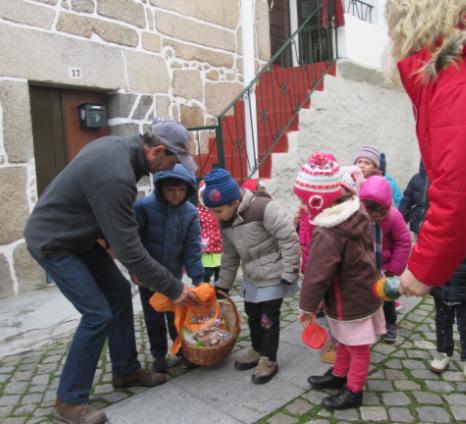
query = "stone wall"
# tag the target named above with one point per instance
(180, 59)
(355, 109)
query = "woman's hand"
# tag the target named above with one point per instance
(411, 286)
(306, 318)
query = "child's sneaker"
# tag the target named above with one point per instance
(440, 362)
(265, 371)
(247, 360)
(330, 356)
(390, 336)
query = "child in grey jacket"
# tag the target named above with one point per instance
(256, 234)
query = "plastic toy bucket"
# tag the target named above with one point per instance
(314, 336)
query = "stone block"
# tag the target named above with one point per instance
(6, 281)
(433, 414)
(299, 407)
(400, 415)
(93, 58)
(221, 12)
(145, 103)
(187, 83)
(28, 272)
(123, 10)
(213, 75)
(163, 106)
(17, 128)
(184, 29)
(373, 413)
(108, 31)
(75, 24)
(191, 116)
(26, 13)
(51, 2)
(124, 129)
(120, 105)
(219, 95)
(146, 73)
(84, 6)
(189, 52)
(115, 33)
(13, 203)
(151, 42)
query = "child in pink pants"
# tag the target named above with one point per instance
(341, 271)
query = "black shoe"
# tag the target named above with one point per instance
(185, 364)
(344, 399)
(327, 381)
(160, 365)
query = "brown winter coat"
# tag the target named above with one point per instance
(341, 268)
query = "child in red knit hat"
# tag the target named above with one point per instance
(211, 239)
(341, 271)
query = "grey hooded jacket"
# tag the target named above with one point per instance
(263, 240)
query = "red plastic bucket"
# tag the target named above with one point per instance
(314, 336)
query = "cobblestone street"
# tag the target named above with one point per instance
(401, 388)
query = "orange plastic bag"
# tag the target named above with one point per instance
(184, 314)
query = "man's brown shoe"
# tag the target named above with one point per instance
(78, 414)
(140, 378)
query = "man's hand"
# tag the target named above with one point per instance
(411, 286)
(135, 280)
(187, 297)
(306, 318)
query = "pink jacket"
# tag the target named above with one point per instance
(396, 239)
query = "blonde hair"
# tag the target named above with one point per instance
(415, 24)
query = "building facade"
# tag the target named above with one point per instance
(138, 58)
(181, 59)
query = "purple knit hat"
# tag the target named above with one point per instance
(370, 153)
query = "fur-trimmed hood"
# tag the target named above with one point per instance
(336, 215)
(424, 66)
(450, 53)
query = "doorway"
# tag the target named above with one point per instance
(57, 135)
(279, 18)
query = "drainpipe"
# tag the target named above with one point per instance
(250, 118)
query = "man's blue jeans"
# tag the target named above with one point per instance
(97, 289)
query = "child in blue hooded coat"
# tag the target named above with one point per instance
(170, 231)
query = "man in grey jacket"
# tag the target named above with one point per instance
(93, 198)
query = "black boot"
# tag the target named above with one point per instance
(326, 381)
(344, 399)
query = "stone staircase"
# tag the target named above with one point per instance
(280, 94)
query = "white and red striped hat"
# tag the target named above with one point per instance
(318, 183)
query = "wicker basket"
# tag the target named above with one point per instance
(210, 355)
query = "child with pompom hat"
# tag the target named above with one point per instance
(341, 271)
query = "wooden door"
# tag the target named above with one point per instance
(57, 136)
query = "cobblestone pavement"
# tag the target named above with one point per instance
(401, 388)
(28, 381)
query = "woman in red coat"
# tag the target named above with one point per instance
(428, 42)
